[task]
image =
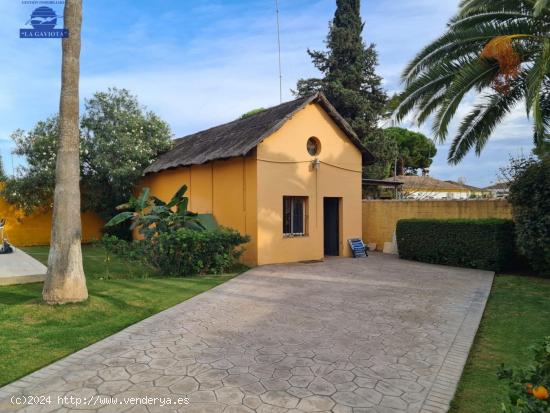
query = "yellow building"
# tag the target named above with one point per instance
(289, 177)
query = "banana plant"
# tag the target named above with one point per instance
(151, 215)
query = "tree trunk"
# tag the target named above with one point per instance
(65, 281)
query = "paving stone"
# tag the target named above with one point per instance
(301, 381)
(202, 396)
(229, 395)
(252, 402)
(275, 384)
(113, 387)
(321, 387)
(114, 373)
(186, 385)
(370, 395)
(393, 402)
(239, 379)
(387, 389)
(350, 399)
(280, 398)
(291, 338)
(299, 392)
(315, 404)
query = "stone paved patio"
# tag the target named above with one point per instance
(376, 335)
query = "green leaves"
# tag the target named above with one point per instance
(447, 70)
(525, 382)
(541, 6)
(474, 243)
(535, 83)
(349, 79)
(479, 73)
(152, 216)
(119, 139)
(530, 198)
(178, 197)
(119, 219)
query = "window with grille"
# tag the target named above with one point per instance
(294, 216)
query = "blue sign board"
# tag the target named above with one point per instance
(43, 21)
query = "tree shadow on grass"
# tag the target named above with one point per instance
(20, 294)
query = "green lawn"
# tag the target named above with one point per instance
(121, 293)
(516, 317)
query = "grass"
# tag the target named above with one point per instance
(516, 317)
(121, 293)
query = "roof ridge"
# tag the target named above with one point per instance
(245, 119)
(238, 137)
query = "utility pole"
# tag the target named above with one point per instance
(279, 47)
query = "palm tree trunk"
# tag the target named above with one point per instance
(65, 281)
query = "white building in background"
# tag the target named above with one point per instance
(426, 187)
(500, 190)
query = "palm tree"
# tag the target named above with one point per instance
(498, 49)
(65, 280)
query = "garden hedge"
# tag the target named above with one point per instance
(486, 244)
(184, 251)
(188, 252)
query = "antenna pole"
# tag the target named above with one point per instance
(279, 47)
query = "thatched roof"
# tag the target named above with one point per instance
(239, 137)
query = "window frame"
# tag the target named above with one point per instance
(305, 216)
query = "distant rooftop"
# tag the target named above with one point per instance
(470, 187)
(498, 185)
(428, 183)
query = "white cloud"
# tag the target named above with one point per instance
(224, 66)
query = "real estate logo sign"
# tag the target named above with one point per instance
(43, 20)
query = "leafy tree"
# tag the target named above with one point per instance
(3, 176)
(65, 280)
(349, 78)
(415, 150)
(119, 139)
(530, 199)
(386, 152)
(499, 49)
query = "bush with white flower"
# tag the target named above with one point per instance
(119, 139)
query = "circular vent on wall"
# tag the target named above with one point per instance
(313, 146)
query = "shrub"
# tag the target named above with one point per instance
(529, 386)
(131, 250)
(183, 251)
(486, 244)
(530, 199)
(187, 252)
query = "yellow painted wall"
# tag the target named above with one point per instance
(285, 168)
(226, 189)
(380, 216)
(35, 229)
(247, 193)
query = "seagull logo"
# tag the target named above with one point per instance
(43, 18)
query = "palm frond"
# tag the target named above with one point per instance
(499, 17)
(541, 6)
(477, 126)
(426, 86)
(536, 76)
(480, 74)
(457, 43)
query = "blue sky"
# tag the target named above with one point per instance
(200, 63)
